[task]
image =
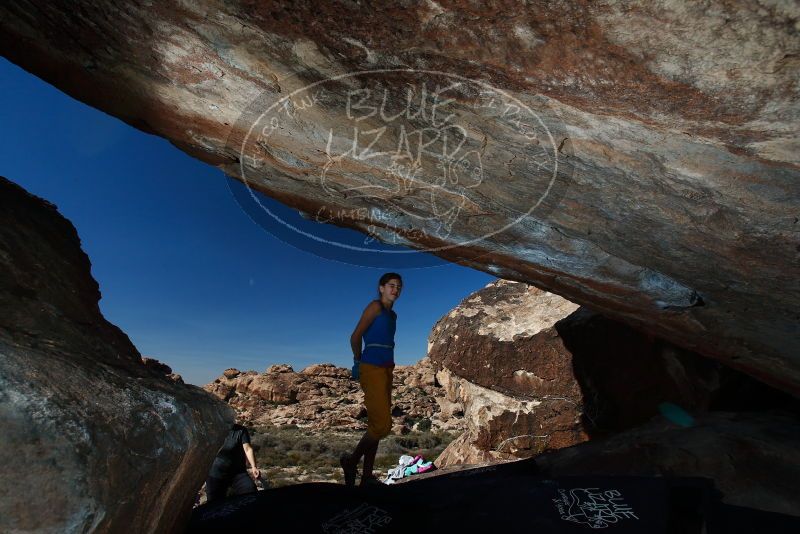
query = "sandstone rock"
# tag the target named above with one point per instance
(156, 365)
(280, 368)
(463, 450)
(655, 180)
(308, 412)
(502, 360)
(222, 391)
(505, 427)
(356, 411)
(423, 376)
(503, 337)
(163, 369)
(275, 386)
(92, 440)
(174, 377)
(231, 373)
(400, 429)
(534, 374)
(327, 370)
(449, 409)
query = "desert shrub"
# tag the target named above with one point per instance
(259, 440)
(424, 425)
(428, 444)
(384, 462)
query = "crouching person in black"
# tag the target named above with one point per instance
(229, 469)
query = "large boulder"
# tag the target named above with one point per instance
(504, 427)
(639, 158)
(533, 372)
(500, 358)
(93, 439)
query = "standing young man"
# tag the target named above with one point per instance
(374, 367)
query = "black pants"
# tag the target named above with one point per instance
(217, 488)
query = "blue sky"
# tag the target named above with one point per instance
(182, 268)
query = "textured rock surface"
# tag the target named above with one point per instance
(323, 397)
(675, 127)
(533, 373)
(505, 427)
(753, 458)
(92, 439)
(500, 358)
(503, 337)
(162, 368)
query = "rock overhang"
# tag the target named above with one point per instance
(676, 130)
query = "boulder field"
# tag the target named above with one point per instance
(323, 397)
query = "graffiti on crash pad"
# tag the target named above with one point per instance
(593, 507)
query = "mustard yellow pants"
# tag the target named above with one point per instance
(376, 382)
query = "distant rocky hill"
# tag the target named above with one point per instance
(302, 421)
(324, 397)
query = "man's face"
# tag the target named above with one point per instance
(391, 290)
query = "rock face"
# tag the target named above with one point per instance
(533, 372)
(162, 368)
(639, 158)
(505, 427)
(323, 396)
(92, 439)
(499, 356)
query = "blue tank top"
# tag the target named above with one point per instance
(379, 339)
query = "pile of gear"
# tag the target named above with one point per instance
(407, 466)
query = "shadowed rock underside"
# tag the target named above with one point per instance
(674, 204)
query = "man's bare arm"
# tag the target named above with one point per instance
(248, 452)
(369, 315)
